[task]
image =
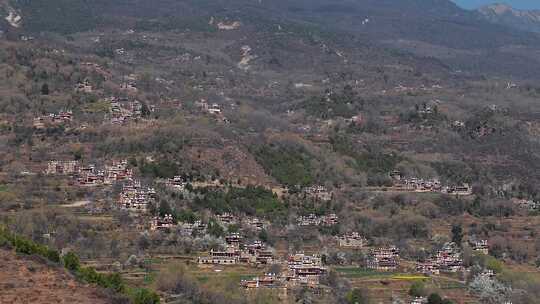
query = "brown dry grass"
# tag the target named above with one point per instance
(26, 280)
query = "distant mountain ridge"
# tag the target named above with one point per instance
(503, 14)
(432, 30)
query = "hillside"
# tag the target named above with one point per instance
(31, 280)
(526, 20)
(287, 151)
(434, 29)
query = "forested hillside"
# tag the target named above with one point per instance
(269, 152)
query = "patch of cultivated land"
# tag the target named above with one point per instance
(384, 285)
(27, 280)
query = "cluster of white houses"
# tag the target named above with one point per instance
(167, 223)
(313, 220)
(255, 223)
(423, 185)
(269, 280)
(129, 86)
(236, 252)
(383, 259)
(62, 167)
(528, 205)
(84, 87)
(448, 259)
(177, 183)
(318, 192)
(162, 223)
(53, 119)
(122, 110)
(190, 228)
(89, 175)
(301, 270)
(419, 300)
(352, 240)
(212, 109)
(228, 219)
(479, 246)
(304, 269)
(135, 197)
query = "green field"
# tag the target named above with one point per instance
(356, 273)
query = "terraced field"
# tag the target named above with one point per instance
(384, 285)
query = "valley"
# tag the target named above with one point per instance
(267, 152)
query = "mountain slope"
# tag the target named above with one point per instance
(25, 280)
(526, 20)
(436, 21)
(430, 29)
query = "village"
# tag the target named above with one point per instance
(209, 159)
(239, 244)
(281, 271)
(89, 175)
(285, 272)
(414, 184)
(290, 270)
(53, 119)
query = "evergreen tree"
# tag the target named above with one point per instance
(435, 298)
(45, 89)
(457, 234)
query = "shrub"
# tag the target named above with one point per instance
(288, 164)
(457, 234)
(215, 229)
(110, 281)
(333, 104)
(250, 200)
(113, 281)
(263, 236)
(489, 262)
(494, 265)
(23, 246)
(357, 296)
(417, 289)
(45, 89)
(160, 169)
(53, 256)
(71, 261)
(186, 216)
(435, 298)
(374, 160)
(89, 275)
(3, 241)
(144, 296)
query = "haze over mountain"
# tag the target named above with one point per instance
(436, 29)
(527, 20)
(519, 4)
